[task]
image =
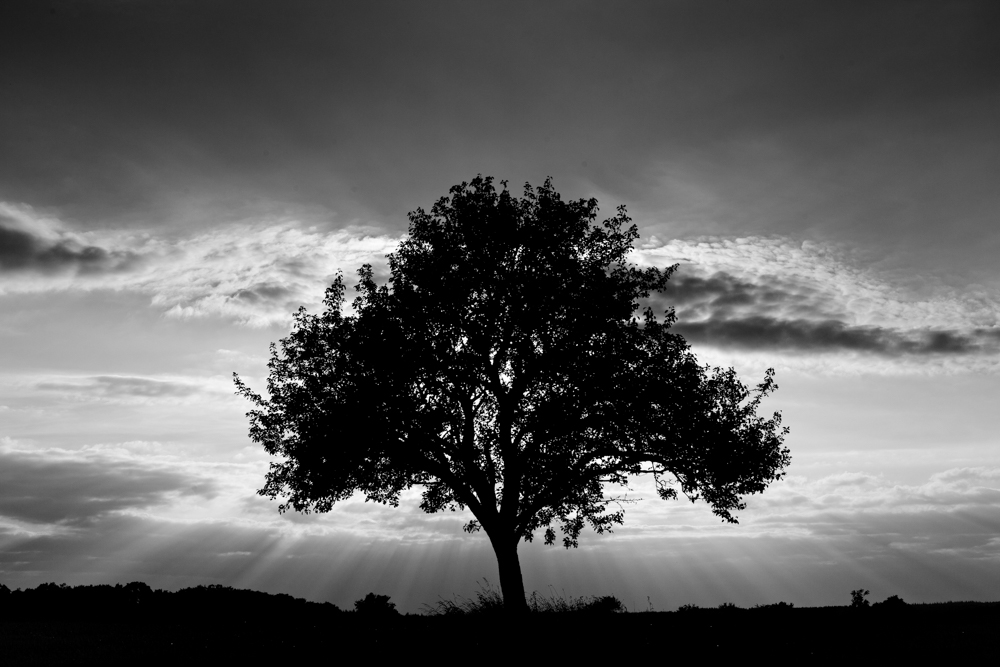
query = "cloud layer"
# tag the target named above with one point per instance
(741, 294)
(72, 488)
(769, 294)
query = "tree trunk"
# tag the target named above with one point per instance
(511, 583)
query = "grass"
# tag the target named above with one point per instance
(489, 600)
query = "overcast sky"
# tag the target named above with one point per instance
(177, 178)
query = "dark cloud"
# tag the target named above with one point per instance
(762, 332)
(74, 488)
(118, 386)
(989, 334)
(20, 250)
(770, 313)
(721, 295)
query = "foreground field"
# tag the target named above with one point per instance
(918, 632)
(117, 624)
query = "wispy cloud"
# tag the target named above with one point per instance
(114, 386)
(966, 488)
(253, 273)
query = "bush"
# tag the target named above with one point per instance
(891, 602)
(604, 604)
(375, 605)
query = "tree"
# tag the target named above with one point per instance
(858, 600)
(375, 605)
(505, 368)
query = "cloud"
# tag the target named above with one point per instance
(796, 499)
(253, 273)
(771, 294)
(723, 293)
(759, 332)
(29, 243)
(742, 294)
(258, 275)
(263, 293)
(113, 386)
(71, 488)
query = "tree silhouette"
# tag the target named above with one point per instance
(858, 600)
(375, 605)
(506, 368)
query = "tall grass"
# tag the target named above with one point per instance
(489, 600)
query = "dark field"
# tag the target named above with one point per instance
(204, 625)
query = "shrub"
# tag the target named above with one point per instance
(891, 602)
(604, 604)
(375, 605)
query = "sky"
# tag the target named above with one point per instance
(177, 178)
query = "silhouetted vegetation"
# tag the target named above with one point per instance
(776, 606)
(489, 600)
(137, 601)
(135, 624)
(506, 368)
(375, 605)
(891, 602)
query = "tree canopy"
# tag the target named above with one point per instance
(508, 367)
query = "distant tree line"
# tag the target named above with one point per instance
(137, 601)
